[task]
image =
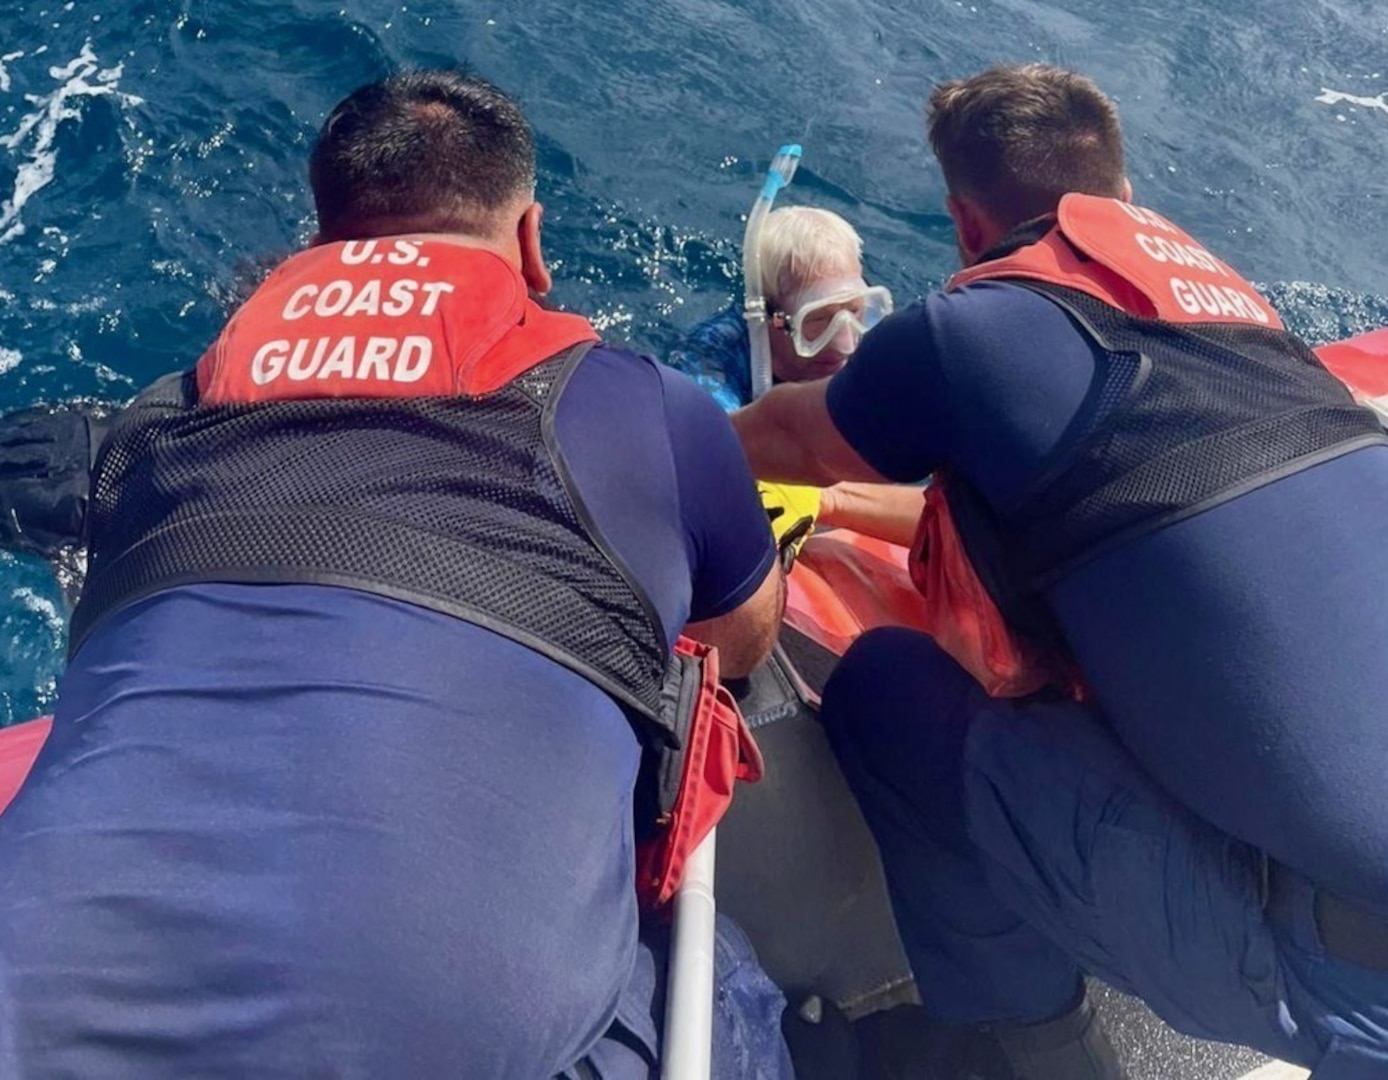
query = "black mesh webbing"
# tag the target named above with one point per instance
(1204, 412)
(457, 504)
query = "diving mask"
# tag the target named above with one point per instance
(839, 312)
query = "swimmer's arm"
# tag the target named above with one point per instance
(885, 511)
(788, 435)
(744, 636)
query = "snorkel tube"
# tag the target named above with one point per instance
(783, 167)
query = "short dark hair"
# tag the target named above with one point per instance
(1017, 138)
(420, 151)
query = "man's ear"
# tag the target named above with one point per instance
(1127, 195)
(533, 268)
(973, 229)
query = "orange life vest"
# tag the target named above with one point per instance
(384, 318)
(1133, 259)
(471, 369)
(1126, 257)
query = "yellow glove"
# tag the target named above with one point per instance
(792, 509)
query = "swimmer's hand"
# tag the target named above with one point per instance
(792, 509)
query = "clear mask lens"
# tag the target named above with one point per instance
(841, 317)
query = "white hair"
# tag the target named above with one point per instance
(801, 245)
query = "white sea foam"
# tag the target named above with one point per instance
(81, 77)
(9, 359)
(5, 75)
(42, 606)
(1336, 97)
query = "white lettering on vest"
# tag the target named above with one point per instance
(269, 361)
(388, 359)
(340, 361)
(1194, 297)
(1161, 249)
(401, 297)
(301, 296)
(1251, 308)
(366, 302)
(423, 351)
(1143, 216)
(356, 252)
(374, 358)
(1185, 300)
(340, 298)
(405, 253)
(435, 289)
(333, 298)
(298, 369)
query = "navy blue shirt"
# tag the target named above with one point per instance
(281, 828)
(1241, 654)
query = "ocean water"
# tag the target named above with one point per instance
(152, 151)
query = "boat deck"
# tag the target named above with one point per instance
(1152, 1051)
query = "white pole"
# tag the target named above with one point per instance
(1277, 1070)
(688, 1044)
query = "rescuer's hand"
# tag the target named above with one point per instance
(792, 509)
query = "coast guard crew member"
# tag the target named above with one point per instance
(380, 601)
(1165, 489)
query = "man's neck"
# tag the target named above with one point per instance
(1028, 232)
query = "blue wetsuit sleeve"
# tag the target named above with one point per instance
(716, 355)
(727, 537)
(887, 401)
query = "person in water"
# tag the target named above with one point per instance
(812, 271)
(371, 654)
(819, 307)
(1167, 491)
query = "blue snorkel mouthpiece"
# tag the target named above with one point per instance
(783, 167)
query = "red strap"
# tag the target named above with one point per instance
(719, 752)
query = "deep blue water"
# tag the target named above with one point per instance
(150, 151)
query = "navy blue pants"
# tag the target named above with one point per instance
(1025, 846)
(353, 838)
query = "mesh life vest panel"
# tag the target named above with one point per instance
(1201, 413)
(459, 502)
(1203, 397)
